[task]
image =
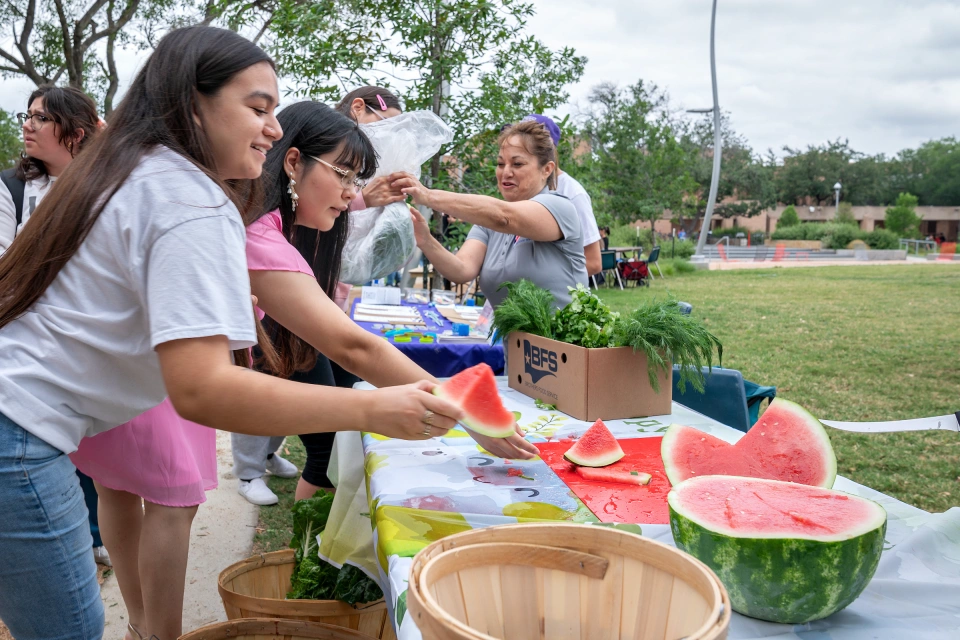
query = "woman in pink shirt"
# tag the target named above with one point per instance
(313, 174)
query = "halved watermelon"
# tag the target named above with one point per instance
(596, 447)
(787, 443)
(786, 552)
(614, 475)
(475, 391)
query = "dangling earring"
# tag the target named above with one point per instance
(293, 193)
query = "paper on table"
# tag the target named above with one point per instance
(380, 295)
(387, 310)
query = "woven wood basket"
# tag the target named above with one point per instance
(257, 587)
(563, 582)
(269, 629)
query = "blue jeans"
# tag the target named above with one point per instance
(48, 579)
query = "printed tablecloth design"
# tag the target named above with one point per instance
(422, 491)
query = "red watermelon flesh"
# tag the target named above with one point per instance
(614, 475)
(787, 443)
(596, 447)
(455, 388)
(474, 390)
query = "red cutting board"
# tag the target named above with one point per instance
(613, 501)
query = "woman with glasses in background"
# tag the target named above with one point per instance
(58, 123)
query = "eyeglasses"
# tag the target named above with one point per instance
(347, 178)
(37, 120)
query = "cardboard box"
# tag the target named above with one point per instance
(588, 384)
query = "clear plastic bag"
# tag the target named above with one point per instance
(381, 238)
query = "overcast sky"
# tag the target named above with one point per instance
(883, 73)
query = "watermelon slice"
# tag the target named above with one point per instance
(787, 443)
(786, 552)
(596, 447)
(456, 387)
(474, 390)
(614, 475)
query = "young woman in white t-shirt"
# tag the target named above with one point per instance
(58, 123)
(130, 284)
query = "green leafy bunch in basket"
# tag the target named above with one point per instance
(656, 327)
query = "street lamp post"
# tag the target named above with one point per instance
(836, 189)
(715, 176)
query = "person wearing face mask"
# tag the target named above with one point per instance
(532, 233)
(255, 456)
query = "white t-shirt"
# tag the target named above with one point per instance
(164, 261)
(575, 193)
(33, 192)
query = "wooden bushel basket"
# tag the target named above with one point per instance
(269, 629)
(257, 588)
(563, 582)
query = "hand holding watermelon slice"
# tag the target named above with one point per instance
(474, 390)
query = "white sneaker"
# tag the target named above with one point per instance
(281, 467)
(100, 556)
(257, 492)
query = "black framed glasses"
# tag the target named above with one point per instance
(37, 120)
(347, 178)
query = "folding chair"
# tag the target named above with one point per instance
(727, 397)
(608, 263)
(651, 261)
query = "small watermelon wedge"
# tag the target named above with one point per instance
(474, 390)
(614, 475)
(786, 552)
(596, 447)
(787, 443)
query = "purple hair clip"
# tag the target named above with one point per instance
(383, 105)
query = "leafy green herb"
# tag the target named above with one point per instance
(665, 335)
(585, 321)
(540, 404)
(656, 327)
(317, 579)
(527, 308)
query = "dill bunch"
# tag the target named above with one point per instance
(526, 308)
(665, 335)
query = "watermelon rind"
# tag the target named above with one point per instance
(789, 580)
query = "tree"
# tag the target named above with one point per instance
(788, 218)
(746, 183)
(10, 142)
(845, 214)
(902, 218)
(462, 59)
(58, 40)
(637, 166)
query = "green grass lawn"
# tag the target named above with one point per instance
(847, 343)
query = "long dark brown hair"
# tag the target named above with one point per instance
(158, 109)
(314, 129)
(70, 109)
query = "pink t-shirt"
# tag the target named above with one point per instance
(268, 249)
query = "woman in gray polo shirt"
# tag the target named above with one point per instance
(532, 233)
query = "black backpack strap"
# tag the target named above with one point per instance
(16, 186)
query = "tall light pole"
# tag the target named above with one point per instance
(836, 189)
(717, 147)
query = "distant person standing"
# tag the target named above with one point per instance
(682, 235)
(569, 188)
